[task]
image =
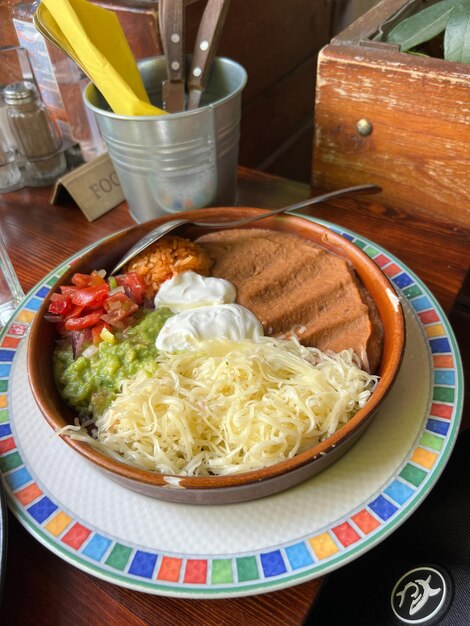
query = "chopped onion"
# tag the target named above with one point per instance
(113, 306)
(90, 351)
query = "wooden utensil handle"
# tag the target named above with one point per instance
(173, 34)
(208, 36)
(161, 24)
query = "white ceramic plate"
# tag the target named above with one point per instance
(3, 538)
(253, 547)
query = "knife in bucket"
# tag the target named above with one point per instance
(172, 35)
(207, 40)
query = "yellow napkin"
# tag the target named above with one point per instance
(94, 38)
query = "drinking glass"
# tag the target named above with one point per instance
(11, 293)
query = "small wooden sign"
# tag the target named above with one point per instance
(94, 187)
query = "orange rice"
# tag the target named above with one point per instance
(169, 256)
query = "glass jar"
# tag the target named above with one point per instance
(5, 130)
(10, 174)
(42, 64)
(61, 83)
(84, 129)
(37, 137)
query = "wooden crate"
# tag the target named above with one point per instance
(418, 109)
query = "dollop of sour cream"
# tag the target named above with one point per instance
(185, 330)
(189, 290)
(205, 310)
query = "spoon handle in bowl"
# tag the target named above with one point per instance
(158, 232)
(294, 207)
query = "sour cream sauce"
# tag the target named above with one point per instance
(190, 290)
(205, 310)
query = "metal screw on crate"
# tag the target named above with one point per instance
(364, 127)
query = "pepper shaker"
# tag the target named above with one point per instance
(37, 137)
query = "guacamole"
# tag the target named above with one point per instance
(89, 384)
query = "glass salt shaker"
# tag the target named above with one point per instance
(37, 137)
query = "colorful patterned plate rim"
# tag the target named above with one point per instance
(3, 538)
(242, 549)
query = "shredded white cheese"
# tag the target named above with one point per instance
(232, 406)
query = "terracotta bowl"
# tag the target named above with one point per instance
(248, 485)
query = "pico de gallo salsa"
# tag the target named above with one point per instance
(92, 305)
(107, 332)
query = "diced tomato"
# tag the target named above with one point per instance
(81, 280)
(75, 312)
(87, 296)
(97, 279)
(98, 304)
(86, 321)
(87, 280)
(86, 305)
(119, 306)
(60, 304)
(115, 323)
(133, 285)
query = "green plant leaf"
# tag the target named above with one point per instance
(422, 26)
(457, 34)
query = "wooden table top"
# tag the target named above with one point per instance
(40, 588)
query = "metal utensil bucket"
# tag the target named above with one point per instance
(177, 162)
